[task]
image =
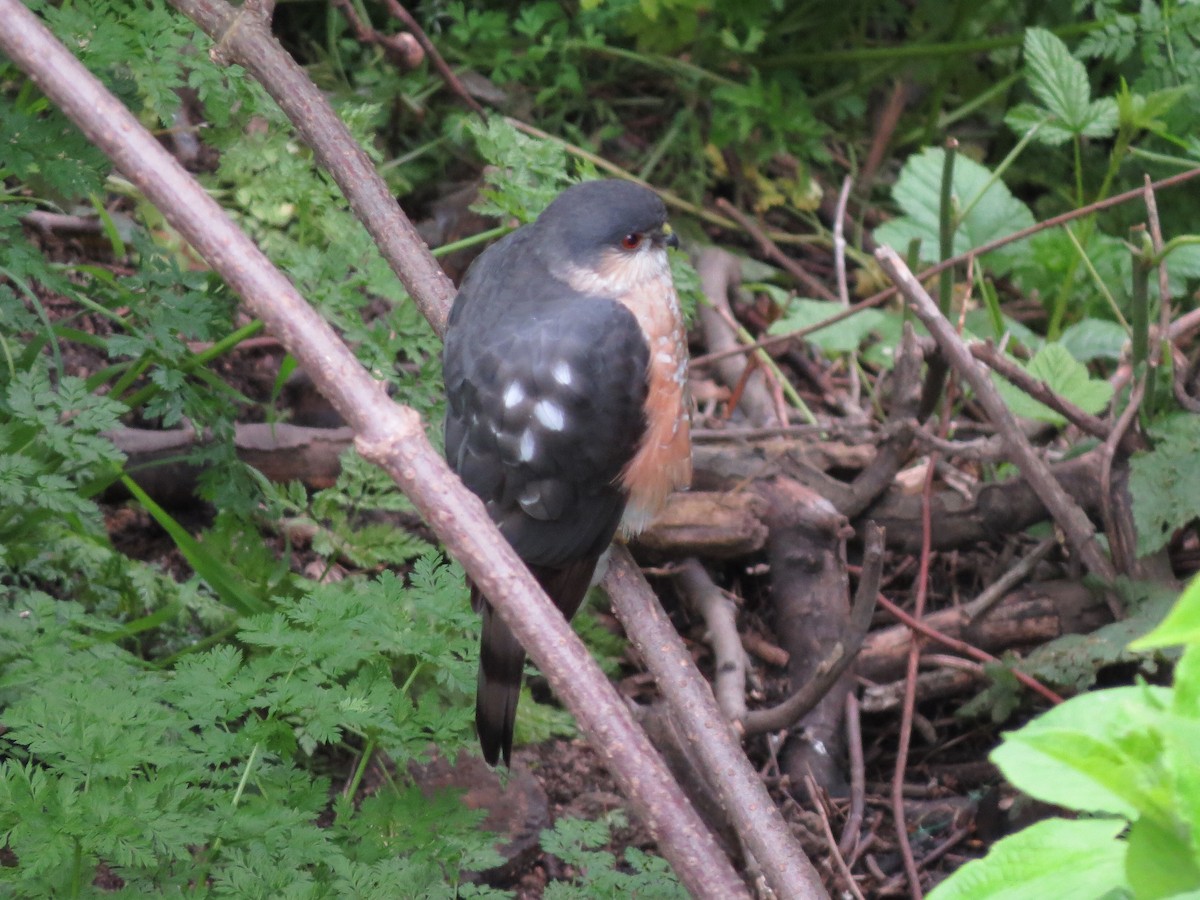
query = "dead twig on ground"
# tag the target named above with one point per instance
(739, 789)
(840, 658)
(720, 619)
(964, 648)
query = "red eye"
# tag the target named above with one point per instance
(631, 241)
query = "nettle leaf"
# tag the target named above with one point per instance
(991, 209)
(1099, 752)
(1065, 376)
(1165, 482)
(1060, 82)
(1079, 860)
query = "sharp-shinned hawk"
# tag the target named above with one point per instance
(565, 365)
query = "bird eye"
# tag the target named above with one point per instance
(631, 241)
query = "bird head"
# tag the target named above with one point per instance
(605, 237)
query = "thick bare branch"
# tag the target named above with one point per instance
(840, 657)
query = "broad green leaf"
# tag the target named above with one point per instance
(1181, 626)
(1187, 687)
(1159, 862)
(840, 337)
(1165, 482)
(1181, 752)
(1091, 753)
(1066, 860)
(1065, 376)
(991, 209)
(1091, 339)
(1051, 257)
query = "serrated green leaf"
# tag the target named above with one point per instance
(1065, 376)
(1066, 860)
(1025, 117)
(1165, 482)
(1060, 82)
(840, 337)
(992, 210)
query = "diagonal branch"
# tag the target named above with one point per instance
(1070, 518)
(759, 824)
(388, 434)
(243, 37)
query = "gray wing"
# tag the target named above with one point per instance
(544, 409)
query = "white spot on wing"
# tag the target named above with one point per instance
(528, 447)
(562, 373)
(513, 394)
(550, 415)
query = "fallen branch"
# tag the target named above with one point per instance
(741, 793)
(840, 658)
(709, 602)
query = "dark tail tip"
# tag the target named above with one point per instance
(495, 712)
(501, 665)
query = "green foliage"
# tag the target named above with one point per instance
(1065, 376)
(527, 172)
(984, 209)
(1181, 626)
(1092, 339)
(1061, 858)
(355, 520)
(1165, 482)
(1126, 755)
(1060, 82)
(209, 771)
(577, 842)
(51, 447)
